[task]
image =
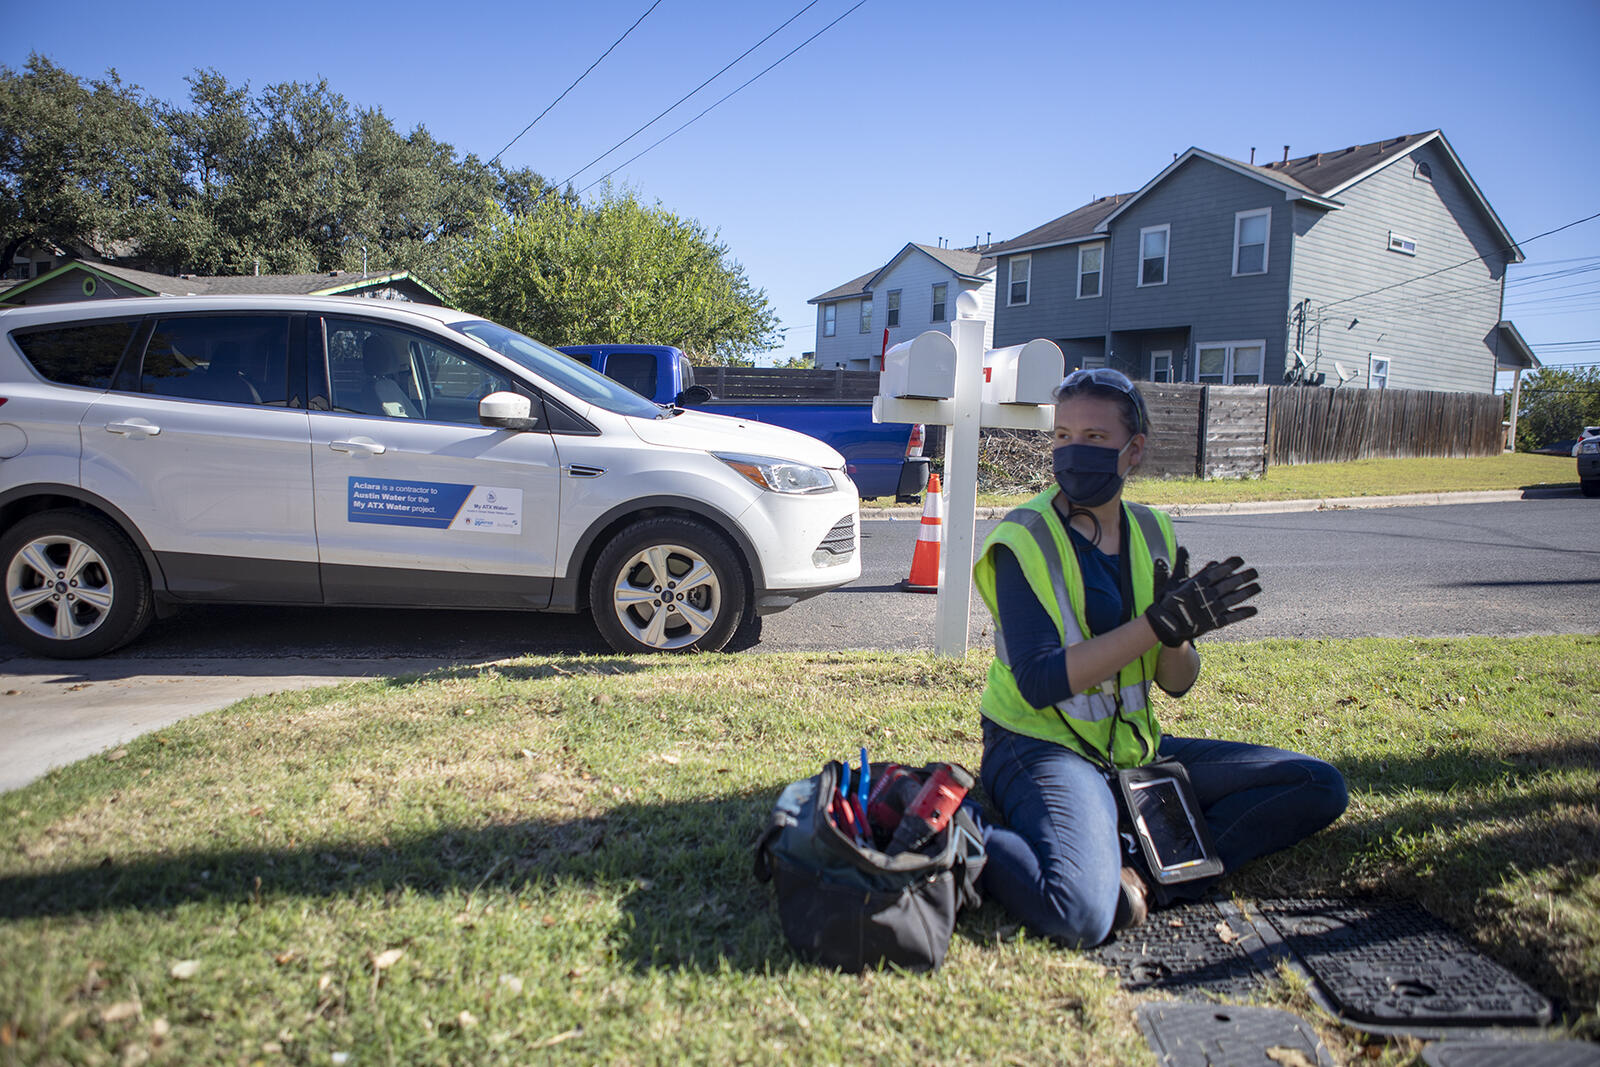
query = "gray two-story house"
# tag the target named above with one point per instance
(1378, 265)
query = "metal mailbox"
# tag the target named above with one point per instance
(923, 368)
(1022, 374)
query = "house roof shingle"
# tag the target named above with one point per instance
(1327, 172)
(1075, 225)
(325, 283)
(963, 262)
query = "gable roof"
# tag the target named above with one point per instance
(1331, 173)
(853, 287)
(1317, 179)
(965, 263)
(147, 283)
(1081, 224)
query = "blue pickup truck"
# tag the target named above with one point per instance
(883, 459)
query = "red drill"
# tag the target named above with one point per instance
(932, 808)
(896, 788)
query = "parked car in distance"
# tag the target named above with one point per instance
(1587, 452)
(883, 459)
(281, 450)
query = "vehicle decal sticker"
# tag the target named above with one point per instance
(436, 505)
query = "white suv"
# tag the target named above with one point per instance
(270, 450)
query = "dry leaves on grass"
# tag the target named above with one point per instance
(384, 960)
(184, 970)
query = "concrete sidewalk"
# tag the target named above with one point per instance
(1271, 507)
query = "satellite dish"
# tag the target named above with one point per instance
(1345, 373)
(1299, 360)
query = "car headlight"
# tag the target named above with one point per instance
(778, 475)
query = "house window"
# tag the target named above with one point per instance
(866, 316)
(1250, 230)
(830, 319)
(1153, 242)
(891, 315)
(1021, 270)
(1090, 259)
(1377, 373)
(1161, 366)
(940, 290)
(1230, 362)
(1399, 242)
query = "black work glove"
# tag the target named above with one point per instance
(1184, 609)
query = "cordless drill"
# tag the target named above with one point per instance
(932, 808)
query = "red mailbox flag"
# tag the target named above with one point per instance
(885, 350)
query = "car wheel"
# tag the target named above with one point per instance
(74, 585)
(667, 585)
(1590, 487)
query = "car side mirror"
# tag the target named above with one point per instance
(507, 411)
(693, 396)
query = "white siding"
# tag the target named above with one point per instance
(849, 346)
(1435, 331)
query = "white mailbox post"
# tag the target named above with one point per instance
(1008, 388)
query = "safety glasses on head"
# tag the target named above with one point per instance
(1106, 378)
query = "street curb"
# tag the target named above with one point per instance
(1274, 507)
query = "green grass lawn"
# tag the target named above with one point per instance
(548, 860)
(1366, 477)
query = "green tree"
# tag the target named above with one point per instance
(1557, 403)
(81, 165)
(616, 270)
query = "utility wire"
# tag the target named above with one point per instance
(1453, 266)
(724, 100)
(574, 85)
(686, 96)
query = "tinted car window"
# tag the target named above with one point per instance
(562, 370)
(636, 370)
(85, 354)
(234, 359)
(379, 370)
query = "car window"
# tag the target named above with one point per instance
(559, 369)
(380, 370)
(233, 359)
(636, 370)
(83, 354)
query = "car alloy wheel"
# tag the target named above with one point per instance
(74, 585)
(60, 588)
(667, 597)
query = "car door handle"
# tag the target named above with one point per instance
(358, 446)
(134, 428)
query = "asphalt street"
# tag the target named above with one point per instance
(1522, 567)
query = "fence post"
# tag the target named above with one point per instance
(1202, 461)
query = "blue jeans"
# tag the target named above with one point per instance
(1056, 862)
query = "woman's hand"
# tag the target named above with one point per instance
(1188, 607)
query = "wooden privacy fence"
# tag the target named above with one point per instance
(1213, 431)
(1335, 425)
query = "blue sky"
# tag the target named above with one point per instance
(912, 121)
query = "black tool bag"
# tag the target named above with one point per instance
(850, 906)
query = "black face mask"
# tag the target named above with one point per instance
(1087, 474)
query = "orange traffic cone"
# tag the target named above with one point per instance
(925, 560)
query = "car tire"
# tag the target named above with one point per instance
(1590, 487)
(75, 586)
(668, 585)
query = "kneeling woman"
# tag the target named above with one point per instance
(1092, 601)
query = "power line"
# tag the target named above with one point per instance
(686, 96)
(574, 85)
(1463, 263)
(724, 100)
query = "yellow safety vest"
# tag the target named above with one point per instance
(1111, 722)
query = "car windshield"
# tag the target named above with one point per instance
(560, 370)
